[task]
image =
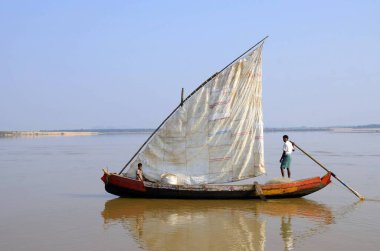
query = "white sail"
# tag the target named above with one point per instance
(216, 136)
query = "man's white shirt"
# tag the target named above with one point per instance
(288, 147)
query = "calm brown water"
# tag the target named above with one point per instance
(52, 199)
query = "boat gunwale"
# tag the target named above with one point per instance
(141, 186)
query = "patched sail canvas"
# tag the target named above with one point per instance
(216, 136)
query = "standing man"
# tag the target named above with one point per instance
(286, 158)
(139, 172)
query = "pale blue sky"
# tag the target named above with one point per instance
(121, 64)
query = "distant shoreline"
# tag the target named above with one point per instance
(326, 129)
(43, 133)
(356, 130)
(84, 132)
(80, 132)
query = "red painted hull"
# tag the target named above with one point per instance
(126, 187)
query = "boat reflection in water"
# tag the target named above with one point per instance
(214, 225)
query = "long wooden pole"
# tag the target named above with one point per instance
(327, 170)
(191, 94)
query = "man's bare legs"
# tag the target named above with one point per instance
(282, 172)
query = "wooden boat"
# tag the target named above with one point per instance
(212, 138)
(126, 187)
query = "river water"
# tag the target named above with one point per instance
(52, 198)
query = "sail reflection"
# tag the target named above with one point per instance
(210, 225)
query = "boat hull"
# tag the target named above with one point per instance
(126, 187)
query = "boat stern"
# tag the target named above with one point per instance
(122, 186)
(326, 179)
(297, 188)
(104, 178)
